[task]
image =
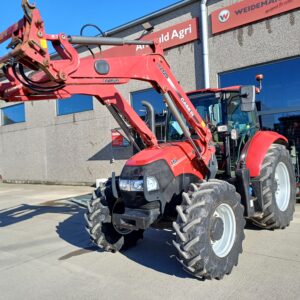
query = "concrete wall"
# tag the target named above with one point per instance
(68, 149)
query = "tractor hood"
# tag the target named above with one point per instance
(179, 156)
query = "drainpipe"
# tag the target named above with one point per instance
(204, 33)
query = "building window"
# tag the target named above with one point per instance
(280, 85)
(13, 114)
(156, 100)
(279, 101)
(75, 104)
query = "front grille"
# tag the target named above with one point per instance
(133, 199)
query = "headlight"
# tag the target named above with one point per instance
(124, 185)
(137, 185)
(152, 184)
(131, 185)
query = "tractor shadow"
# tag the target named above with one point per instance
(250, 226)
(155, 251)
(23, 212)
(72, 230)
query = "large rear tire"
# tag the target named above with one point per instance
(279, 189)
(102, 231)
(209, 229)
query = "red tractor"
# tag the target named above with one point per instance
(210, 174)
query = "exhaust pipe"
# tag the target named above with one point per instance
(151, 114)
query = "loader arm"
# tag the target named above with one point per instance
(32, 74)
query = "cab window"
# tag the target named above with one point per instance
(237, 119)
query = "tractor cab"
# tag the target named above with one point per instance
(231, 116)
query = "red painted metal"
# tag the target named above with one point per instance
(179, 156)
(7, 34)
(258, 147)
(249, 11)
(78, 76)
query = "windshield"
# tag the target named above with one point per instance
(237, 119)
(208, 106)
(217, 109)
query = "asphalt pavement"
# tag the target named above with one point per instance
(45, 253)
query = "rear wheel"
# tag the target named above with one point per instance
(209, 229)
(102, 231)
(279, 189)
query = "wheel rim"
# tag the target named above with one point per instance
(282, 193)
(122, 231)
(223, 246)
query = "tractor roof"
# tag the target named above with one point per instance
(217, 90)
(235, 88)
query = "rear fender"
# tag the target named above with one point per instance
(256, 149)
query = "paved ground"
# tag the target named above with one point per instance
(45, 254)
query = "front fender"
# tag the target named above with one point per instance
(256, 149)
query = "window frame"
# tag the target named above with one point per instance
(271, 115)
(276, 110)
(2, 109)
(58, 101)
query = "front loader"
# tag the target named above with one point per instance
(210, 174)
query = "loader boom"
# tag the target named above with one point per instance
(96, 76)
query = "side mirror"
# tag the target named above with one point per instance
(247, 98)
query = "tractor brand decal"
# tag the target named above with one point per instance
(249, 11)
(187, 106)
(224, 15)
(163, 71)
(170, 37)
(112, 80)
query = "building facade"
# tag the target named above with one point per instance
(74, 141)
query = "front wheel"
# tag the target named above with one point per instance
(278, 189)
(100, 227)
(209, 229)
